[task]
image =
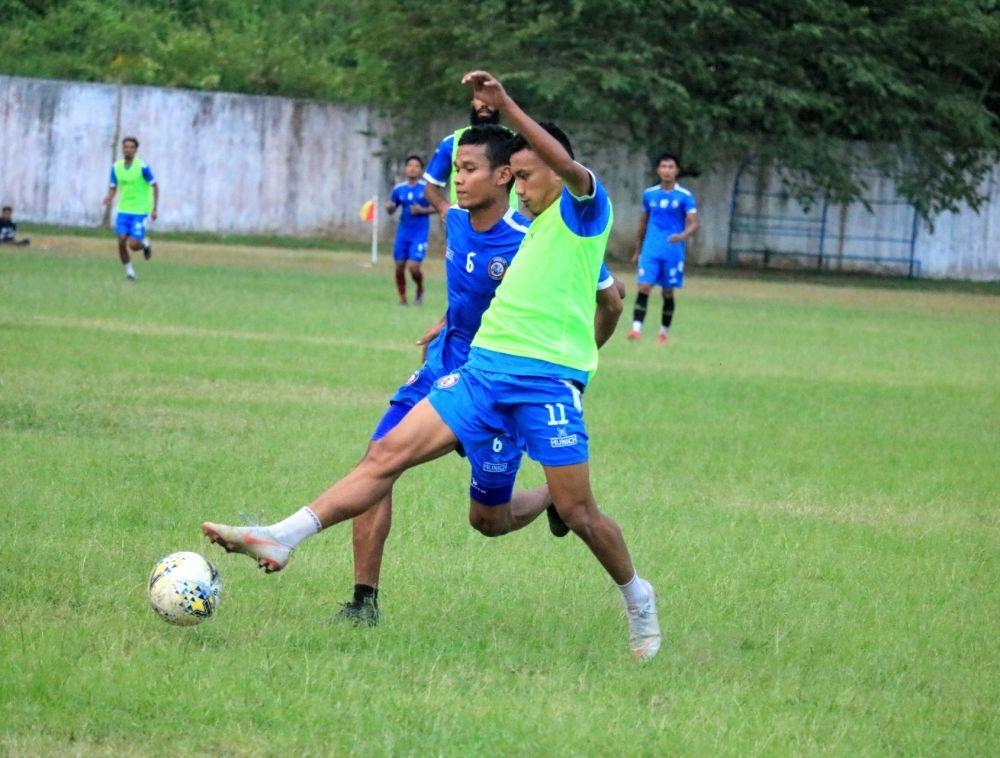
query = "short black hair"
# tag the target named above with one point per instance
(133, 140)
(496, 140)
(6, 208)
(414, 157)
(667, 157)
(520, 143)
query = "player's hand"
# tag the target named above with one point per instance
(487, 88)
(390, 206)
(153, 214)
(106, 200)
(675, 238)
(427, 337)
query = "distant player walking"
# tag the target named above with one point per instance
(669, 218)
(414, 226)
(140, 196)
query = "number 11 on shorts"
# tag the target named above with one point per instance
(561, 420)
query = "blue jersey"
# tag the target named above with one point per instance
(668, 210)
(439, 169)
(475, 264)
(413, 228)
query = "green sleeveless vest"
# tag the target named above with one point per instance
(135, 194)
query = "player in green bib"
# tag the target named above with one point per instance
(529, 364)
(140, 195)
(440, 173)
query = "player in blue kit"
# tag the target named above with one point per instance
(414, 226)
(669, 218)
(529, 363)
(440, 173)
(483, 234)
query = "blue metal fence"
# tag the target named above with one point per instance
(772, 224)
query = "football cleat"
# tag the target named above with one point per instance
(556, 525)
(147, 252)
(364, 613)
(254, 541)
(634, 335)
(644, 627)
(662, 339)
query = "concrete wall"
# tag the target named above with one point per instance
(238, 163)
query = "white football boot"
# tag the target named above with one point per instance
(644, 627)
(254, 541)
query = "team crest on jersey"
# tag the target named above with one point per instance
(447, 381)
(497, 268)
(413, 377)
(664, 203)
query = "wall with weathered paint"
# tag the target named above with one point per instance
(239, 163)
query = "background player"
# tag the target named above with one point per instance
(140, 196)
(669, 218)
(536, 348)
(8, 228)
(440, 171)
(414, 226)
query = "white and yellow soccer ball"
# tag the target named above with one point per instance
(184, 589)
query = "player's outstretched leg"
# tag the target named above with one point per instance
(421, 436)
(570, 490)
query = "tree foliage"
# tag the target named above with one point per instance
(798, 83)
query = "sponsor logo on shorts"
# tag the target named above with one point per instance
(447, 381)
(566, 441)
(497, 267)
(413, 377)
(496, 468)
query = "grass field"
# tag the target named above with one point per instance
(809, 475)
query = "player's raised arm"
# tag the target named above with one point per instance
(488, 89)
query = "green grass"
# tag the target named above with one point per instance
(808, 475)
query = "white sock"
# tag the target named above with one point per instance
(145, 243)
(129, 270)
(664, 330)
(634, 592)
(301, 524)
(636, 326)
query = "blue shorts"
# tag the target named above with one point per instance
(543, 413)
(494, 466)
(662, 272)
(409, 250)
(131, 225)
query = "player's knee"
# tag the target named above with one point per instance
(487, 525)
(578, 516)
(644, 289)
(385, 458)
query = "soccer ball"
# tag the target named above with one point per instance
(184, 589)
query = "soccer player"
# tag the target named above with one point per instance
(484, 235)
(140, 196)
(8, 229)
(531, 358)
(669, 218)
(440, 171)
(414, 226)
